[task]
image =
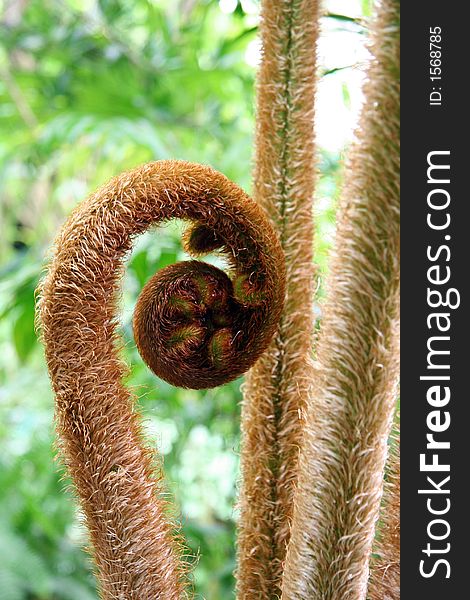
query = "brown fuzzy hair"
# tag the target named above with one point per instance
(194, 325)
(343, 453)
(384, 582)
(277, 388)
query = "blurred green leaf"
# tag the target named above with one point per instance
(24, 337)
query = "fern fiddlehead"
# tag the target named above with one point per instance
(194, 325)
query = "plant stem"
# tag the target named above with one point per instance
(277, 388)
(384, 581)
(345, 443)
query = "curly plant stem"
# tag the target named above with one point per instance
(277, 388)
(347, 425)
(194, 326)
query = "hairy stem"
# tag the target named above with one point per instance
(193, 325)
(276, 391)
(342, 460)
(384, 582)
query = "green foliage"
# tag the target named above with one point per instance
(89, 88)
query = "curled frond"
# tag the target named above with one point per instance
(194, 325)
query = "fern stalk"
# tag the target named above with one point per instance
(277, 388)
(384, 581)
(345, 443)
